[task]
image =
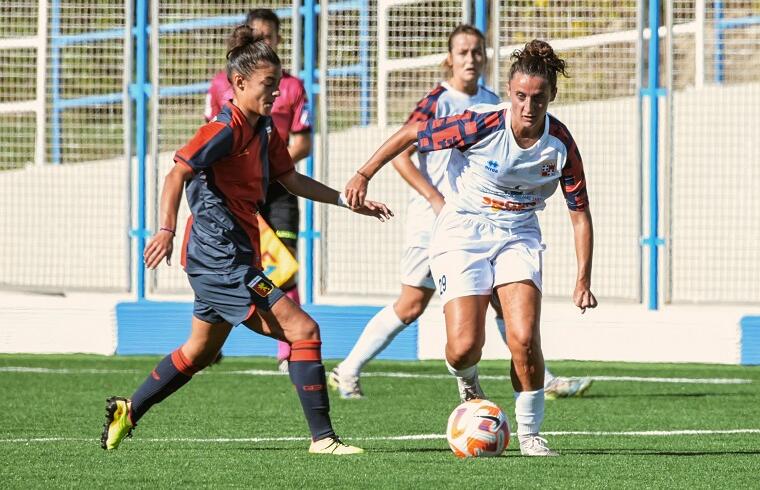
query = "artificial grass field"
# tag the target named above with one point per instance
(231, 429)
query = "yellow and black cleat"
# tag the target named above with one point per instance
(118, 423)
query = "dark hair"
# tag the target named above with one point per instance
(463, 29)
(267, 15)
(247, 52)
(537, 58)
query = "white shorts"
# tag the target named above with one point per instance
(415, 268)
(470, 256)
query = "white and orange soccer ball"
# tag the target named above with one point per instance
(476, 429)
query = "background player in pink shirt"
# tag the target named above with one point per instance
(292, 120)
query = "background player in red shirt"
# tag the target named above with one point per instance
(292, 119)
(225, 170)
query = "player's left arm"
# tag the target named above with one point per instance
(306, 187)
(583, 231)
(573, 184)
(300, 145)
(300, 127)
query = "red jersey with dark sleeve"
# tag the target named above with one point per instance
(290, 111)
(232, 166)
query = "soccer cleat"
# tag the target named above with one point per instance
(470, 389)
(562, 387)
(347, 387)
(118, 423)
(333, 445)
(533, 445)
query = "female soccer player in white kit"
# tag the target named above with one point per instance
(487, 236)
(464, 64)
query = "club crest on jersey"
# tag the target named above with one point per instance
(261, 286)
(492, 166)
(549, 168)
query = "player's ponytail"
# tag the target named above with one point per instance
(538, 58)
(246, 52)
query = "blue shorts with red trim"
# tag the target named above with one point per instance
(232, 297)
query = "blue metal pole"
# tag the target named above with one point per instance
(309, 63)
(720, 55)
(654, 131)
(141, 137)
(55, 81)
(364, 103)
(481, 7)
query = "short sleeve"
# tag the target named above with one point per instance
(301, 111)
(212, 142)
(426, 107)
(460, 131)
(280, 162)
(573, 179)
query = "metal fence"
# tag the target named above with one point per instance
(69, 198)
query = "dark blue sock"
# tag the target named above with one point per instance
(308, 375)
(173, 372)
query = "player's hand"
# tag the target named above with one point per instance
(160, 246)
(356, 190)
(375, 209)
(583, 298)
(437, 203)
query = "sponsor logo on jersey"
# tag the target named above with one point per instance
(492, 166)
(261, 286)
(499, 205)
(549, 168)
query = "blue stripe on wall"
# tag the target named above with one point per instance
(151, 327)
(750, 339)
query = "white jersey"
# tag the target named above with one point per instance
(444, 100)
(497, 180)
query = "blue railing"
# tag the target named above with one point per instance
(722, 24)
(140, 90)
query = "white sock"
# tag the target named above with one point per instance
(548, 376)
(379, 332)
(468, 374)
(529, 412)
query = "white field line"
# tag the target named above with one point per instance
(411, 437)
(642, 379)
(262, 372)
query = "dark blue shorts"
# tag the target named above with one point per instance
(232, 297)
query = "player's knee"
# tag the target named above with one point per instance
(409, 311)
(306, 330)
(462, 354)
(522, 343)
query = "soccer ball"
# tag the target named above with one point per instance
(477, 428)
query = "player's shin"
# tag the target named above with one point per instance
(308, 375)
(173, 372)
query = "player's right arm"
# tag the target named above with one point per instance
(212, 142)
(411, 174)
(356, 188)
(162, 243)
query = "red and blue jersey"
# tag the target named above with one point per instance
(497, 178)
(443, 100)
(232, 166)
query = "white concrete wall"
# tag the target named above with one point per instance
(86, 323)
